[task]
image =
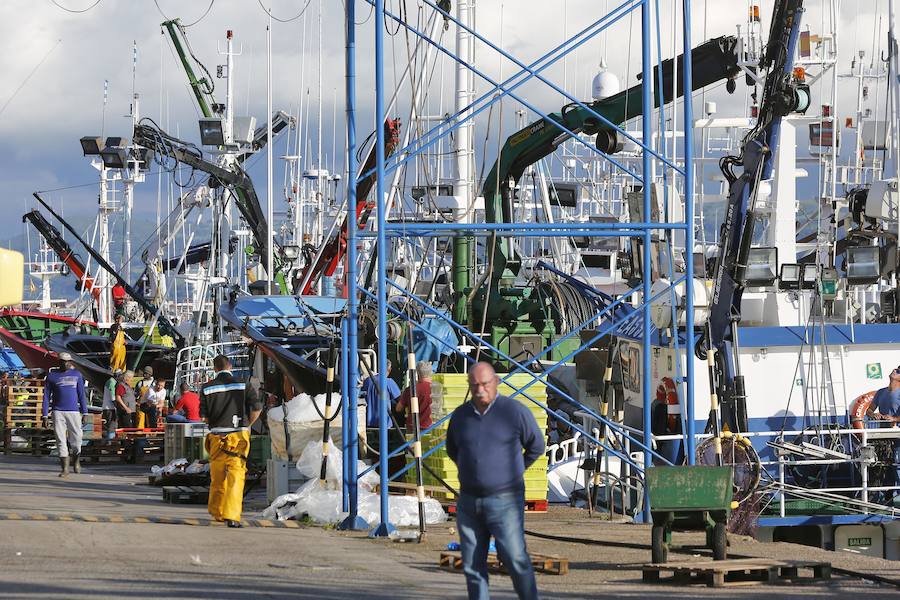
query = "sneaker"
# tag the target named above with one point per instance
(233, 524)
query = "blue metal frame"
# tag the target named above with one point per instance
(385, 230)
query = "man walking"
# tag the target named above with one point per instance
(64, 395)
(230, 412)
(493, 439)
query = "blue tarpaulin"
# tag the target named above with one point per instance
(427, 347)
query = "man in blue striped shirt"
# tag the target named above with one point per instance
(229, 411)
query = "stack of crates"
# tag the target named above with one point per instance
(450, 390)
(185, 440)
(93, 429)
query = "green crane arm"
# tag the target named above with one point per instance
(713, 61)
(203, 87)
(236, 178)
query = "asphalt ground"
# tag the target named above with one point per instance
(54, 543)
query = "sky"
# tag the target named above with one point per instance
(55, 63)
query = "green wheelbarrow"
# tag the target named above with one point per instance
(689, 498)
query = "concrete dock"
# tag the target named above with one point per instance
(54, 545)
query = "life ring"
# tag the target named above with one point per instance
(667, 393)
(859, 408)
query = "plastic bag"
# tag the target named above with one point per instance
(403, 511)
(176, 465)
(310, 463)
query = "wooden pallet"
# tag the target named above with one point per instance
(542, 563)
(737, 572)
(38, 442)
(537, 506)
(122, 450)
(181, 494)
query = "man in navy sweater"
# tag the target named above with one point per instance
(493, 439)
(64, 395)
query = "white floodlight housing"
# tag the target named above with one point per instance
(762, 267)
(863, 265)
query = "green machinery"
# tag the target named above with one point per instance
(516, 317)
(689, 498)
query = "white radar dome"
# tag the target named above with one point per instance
(605, 84)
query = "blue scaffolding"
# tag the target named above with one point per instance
(384, 230)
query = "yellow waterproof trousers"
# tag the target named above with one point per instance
(117, 354)
(227, 470)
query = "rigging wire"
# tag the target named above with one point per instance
(83, 10)
(294, 18)
(30, 75)
(203, 16)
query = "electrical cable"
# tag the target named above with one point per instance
(166, 17)
(294, 18)
(84, 10)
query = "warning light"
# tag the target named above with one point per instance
(799, 74)
(849, 123)
(754, 13)
(826, 110)
(754, 111)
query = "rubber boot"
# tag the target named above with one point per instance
(76, 466)
(64, 466)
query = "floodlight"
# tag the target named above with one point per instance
(91, 146)
(863, 265)
(290, 252)
(790, 276)
(211, 132)
(114, 158)
(762, 266)
(808, 277)
(116, 142)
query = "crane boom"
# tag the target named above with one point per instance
(63, 250)
(335, 249)
(782, 94)
(712, 61)
(165, 326)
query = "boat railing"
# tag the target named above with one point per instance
(194, 364)
(777, 470)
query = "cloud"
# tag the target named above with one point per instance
(64, 99)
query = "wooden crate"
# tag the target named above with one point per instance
(736, 572)
(542, 563)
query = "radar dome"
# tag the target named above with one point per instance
(605, 84)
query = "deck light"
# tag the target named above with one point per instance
(114, 158)
(211, 132)
(790, 276)
(762, 266)
(91, 146)
(863, 265)
(808, 277)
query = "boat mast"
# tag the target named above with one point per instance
(463, 152)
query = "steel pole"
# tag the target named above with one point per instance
(349, 348)
(384, 528)
(646, 123)
(688, 400)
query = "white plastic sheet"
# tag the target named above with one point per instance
(322, 503)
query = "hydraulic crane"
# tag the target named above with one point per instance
(165, 326)
(333, 252)
(713, 61)
(235, 179)
(783, 93)
(63, 250)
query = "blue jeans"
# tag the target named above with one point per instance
(176, 418)
(503, 516)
